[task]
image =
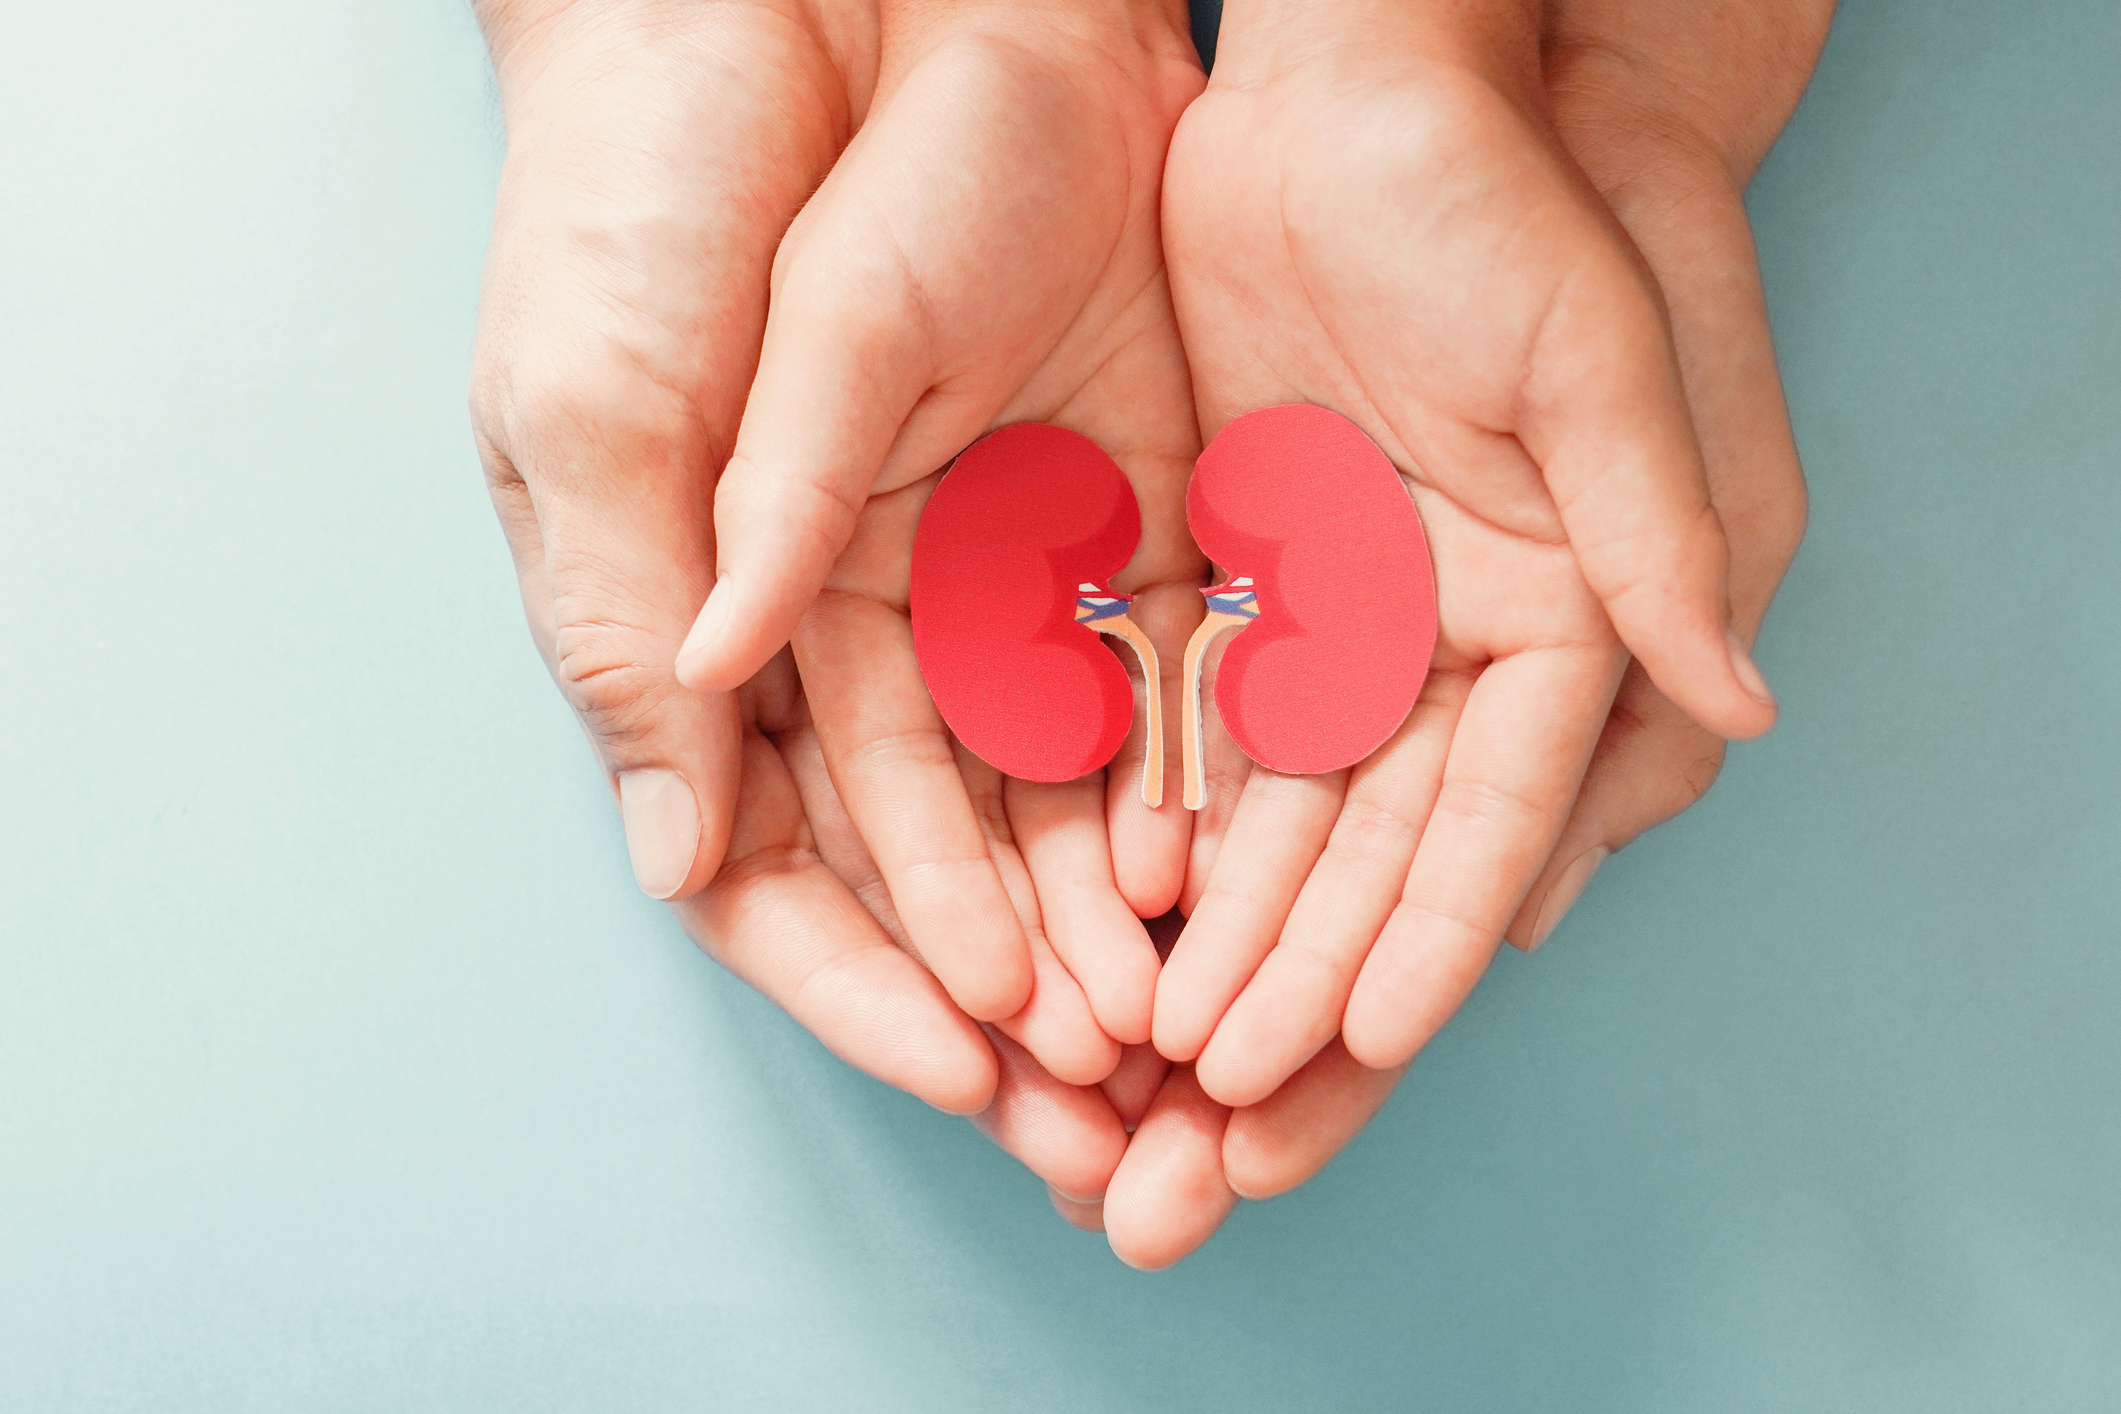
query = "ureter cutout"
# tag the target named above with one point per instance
(1107, 613)
(1230, 606)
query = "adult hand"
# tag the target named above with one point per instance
(656, 152)
(985, 252)
(1670, 107)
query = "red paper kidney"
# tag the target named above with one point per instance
(1300, 502)
(1025, 523)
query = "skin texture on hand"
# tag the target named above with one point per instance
(986, 251)
(1394, 238)
(635, 234)
(1642, 96)
(989, 239)
(655, 153)
(1398, 209)
(1404, 241)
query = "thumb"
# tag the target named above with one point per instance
(1652, 763)
(1616, 442)
(843, 363)
(607, 517)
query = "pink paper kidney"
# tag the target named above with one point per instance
(1009, 565)
(1309, 518)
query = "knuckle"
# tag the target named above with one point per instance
(567, 417)
(917, 748)
(630, 419)
(1486, 803)
(1674, 790)
(1369, 828)
(1696, 776)
(613, 675)
(1452, 919)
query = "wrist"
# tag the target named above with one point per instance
(541, 45)
(1708, 79)
(1155, 26)
(1496, 41)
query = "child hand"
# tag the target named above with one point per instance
(1367, 209)
(1619, 77)
(1513, 711)
(987, 243)
(985, 252)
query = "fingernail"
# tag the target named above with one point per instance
(662, 828)
(705, 630)
(1567, 889)
(1748, 671)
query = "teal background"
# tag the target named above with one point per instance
(342, 1068)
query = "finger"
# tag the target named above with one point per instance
(1616, 443)
(609, 535)
(1516, 760)
(894, 766)
(1292, 1006)
(1090, 1217)
(1168, 1195)
(1061, 831)
(1652, 760)
(1281, 825)
(844, 359)
(776, 917)
(1057, 1025)
(1066, 1134)
(1148, 846)
(1273, 1146)
(1227, 771)
(1132, 1087)
(834, 836)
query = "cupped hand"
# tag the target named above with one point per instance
(986, 251)
(1369, 205)
(989, 240)
(1360, 223)
(656, 152)
(1131, 1148)
(1454, 833)
(1669, 109)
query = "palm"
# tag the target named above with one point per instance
(987, 244)
(1442, 279)
(1235, 274)
(1288, 290)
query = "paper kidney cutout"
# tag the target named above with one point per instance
(1330, 584)
(1008, 597)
